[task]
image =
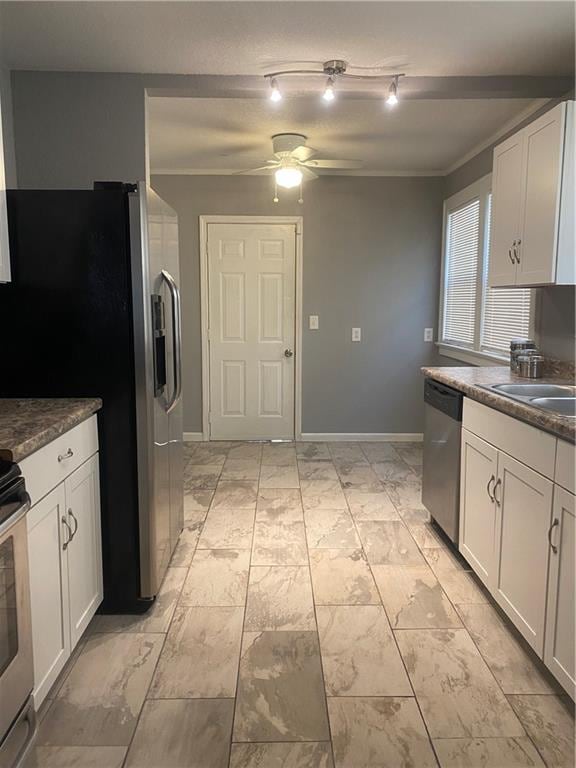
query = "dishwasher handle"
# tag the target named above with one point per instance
(443, 398)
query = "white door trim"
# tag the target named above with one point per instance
(204, 310)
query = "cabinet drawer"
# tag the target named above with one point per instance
(525, 443)
(51, 464)
(566, 466)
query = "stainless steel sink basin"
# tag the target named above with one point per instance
(564, 406)
(536, 390)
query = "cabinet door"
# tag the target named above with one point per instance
(543, 154)
(524, 508)
(507, 174)
(85, 548)
(560, 641)
(47, 536)
(477, 507)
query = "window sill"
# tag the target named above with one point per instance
(470, 356)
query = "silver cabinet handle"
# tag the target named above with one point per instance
(177, 339)
(288, 353)
(516, 249)
(497, 485)
(553, 547)
(510, 255)
(492, 480)
(68, 455)
(69, 531)
(75, 519)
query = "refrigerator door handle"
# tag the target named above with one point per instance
(177, 339)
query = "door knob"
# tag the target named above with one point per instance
(288, 353)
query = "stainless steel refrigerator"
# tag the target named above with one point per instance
(94, 310)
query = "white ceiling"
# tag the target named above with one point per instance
(234, 134)
(420, 38)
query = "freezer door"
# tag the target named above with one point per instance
(161, 518)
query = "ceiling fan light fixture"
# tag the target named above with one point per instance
(329, 94)
(392, 99)
(275, 92)
(288, 177)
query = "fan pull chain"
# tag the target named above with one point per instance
(275, 192)
(301, 198)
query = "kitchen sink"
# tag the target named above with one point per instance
(554, 398)
(536, 390)
(564, 406)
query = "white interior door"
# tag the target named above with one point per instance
(251, 274)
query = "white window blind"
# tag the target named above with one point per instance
(461, 274)
(506, 311)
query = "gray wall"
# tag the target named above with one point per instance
(556, 308)
(371, 259)
(7, 128)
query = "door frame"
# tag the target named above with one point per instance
(297, 221)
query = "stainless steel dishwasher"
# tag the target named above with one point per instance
(441, 469)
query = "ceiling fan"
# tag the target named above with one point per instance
(295, 162)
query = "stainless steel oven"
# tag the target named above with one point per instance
(17, 719)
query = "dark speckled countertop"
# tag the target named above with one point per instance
(28, 424)
(474, 381)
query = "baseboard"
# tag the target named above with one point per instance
(363, 437)
(193, 437)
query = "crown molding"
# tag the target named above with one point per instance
(233, 172)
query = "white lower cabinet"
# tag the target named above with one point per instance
(517, 528)
(65, 554)
(523, 503)
(560, 642)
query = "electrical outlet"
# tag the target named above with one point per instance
(356, 334)
(428, 334)
(313, 323)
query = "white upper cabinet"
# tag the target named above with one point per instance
(4, 249)
(533, 195)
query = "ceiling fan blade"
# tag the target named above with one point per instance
(334, 164)
(254, 170)
(303, 153)
(307, 174)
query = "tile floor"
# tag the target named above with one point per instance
(312, 617)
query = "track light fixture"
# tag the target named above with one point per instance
(392, 99)
(333, 70)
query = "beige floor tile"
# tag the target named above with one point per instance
(549, 721)
(313, 451)
(413, 598)
(196, 504)
(201, 477)
(379, 733)
(376, 452)
(415, 515)
(444, 559)
(217, 577)
(157, 618)
(393, 471)
(245, 451)
(360, 478)
(456, 691)
(487, 753)
(77, 757)
(342, 577)
(330, 529)
(317, 470)
(348, 453)
(462, 587)
(182, 734)
(227, 529)
(279, 504)
(207, 453)
(241, 469)
(101, 698)
(406, 493)
(370, 506)
(272, 476)
(186, 546)
(286, 755)
(279, 455)
(279, 598)
(511, 663)
(279, 543)
(389, 543)
(322, 494)
(426, 535)
(411, 453)
(280, 689)
(235, 494)
(200, 656)
(359, 653)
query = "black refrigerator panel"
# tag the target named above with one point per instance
(67, 331)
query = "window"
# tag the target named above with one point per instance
(476, 322)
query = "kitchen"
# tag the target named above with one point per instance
(283, 492)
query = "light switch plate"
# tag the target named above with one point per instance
(428, 334)
(356, 334)
(313, 323)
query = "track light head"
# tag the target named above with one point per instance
(275, 92)
(392, 99)
(329, 94)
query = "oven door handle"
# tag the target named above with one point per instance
(17, 515)
(28, 714)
